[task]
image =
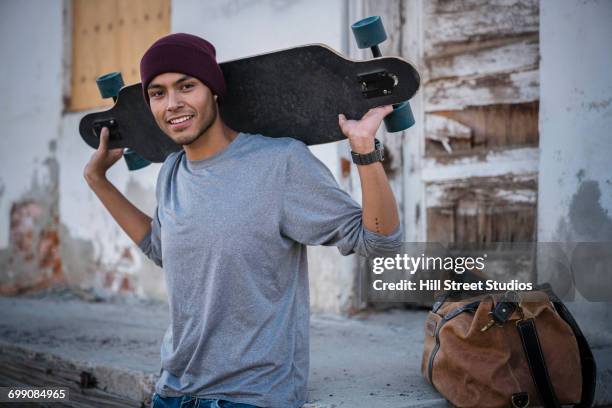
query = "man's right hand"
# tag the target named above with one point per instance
(101, 160)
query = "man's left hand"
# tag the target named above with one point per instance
(361, 133)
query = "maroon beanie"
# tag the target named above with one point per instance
(184, 53)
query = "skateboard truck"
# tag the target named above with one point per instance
(111, 124)
(109, 86)
(368, 33)
(377, 83)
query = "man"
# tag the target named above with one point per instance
(234, 215)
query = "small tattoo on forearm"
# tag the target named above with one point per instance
(377, 226)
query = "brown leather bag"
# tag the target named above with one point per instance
(511, 350)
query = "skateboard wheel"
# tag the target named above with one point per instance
(369, 32)
(400, 119)
(110, 84)
(133, 160)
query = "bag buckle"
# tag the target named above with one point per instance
(503, 309)
(520, 400)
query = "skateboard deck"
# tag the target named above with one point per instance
(296, 93)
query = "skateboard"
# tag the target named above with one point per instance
(296, 93)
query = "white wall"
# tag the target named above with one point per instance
(30, 113)
(575, 182)
(31, 102)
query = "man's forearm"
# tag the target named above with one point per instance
(379, 207)
(134, 222)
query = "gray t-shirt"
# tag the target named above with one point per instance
(232, 231)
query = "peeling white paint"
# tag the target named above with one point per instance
(442, 129)
(513, 56)
(438, 192)
(448, 22)
(518, 196)
(480, 90)
(493, 163)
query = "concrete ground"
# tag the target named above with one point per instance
(369, 361)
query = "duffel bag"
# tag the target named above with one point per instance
(508, 350)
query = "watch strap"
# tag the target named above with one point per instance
(377, 155)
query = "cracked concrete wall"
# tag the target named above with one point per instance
(575, 196)
(30, 112)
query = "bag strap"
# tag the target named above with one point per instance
(537, 365)
(587, 361)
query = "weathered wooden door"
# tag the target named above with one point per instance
(467, 171)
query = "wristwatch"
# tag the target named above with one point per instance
(374, 156)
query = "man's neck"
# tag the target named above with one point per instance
(215, 139)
